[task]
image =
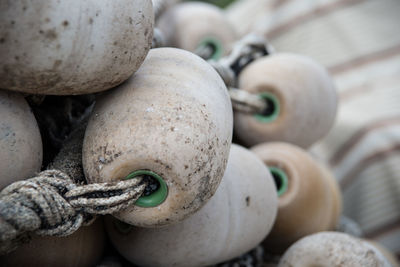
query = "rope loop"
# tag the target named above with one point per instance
(246, 102)
(52, 204)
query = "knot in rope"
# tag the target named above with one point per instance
(52, 204)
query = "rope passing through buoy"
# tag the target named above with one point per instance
(245, 51)
(52, 204)
(246, 102)
(57, 202)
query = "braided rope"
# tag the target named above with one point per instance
(245, 51)
(52, 204)
(246, 102)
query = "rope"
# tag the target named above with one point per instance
(204, 51)
(245, 51)
(226, 73)
(52, 204)
(246, 102)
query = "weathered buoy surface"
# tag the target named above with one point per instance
(21, 149)
(82, 248)
(191, 26)
(309, 198)
(332, 249)
(235, 220)
(301, 101)
(337, 202)
(389, 255)
(172, 121)
(94, 46)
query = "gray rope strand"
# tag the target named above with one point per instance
(105, 198)
(224, 70)
(52, 204)
(245, 51)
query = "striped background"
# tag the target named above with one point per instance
(359, 42)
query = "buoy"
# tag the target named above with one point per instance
(21, 149)
(83, 248)
(309, 197)
(385, 252)
(235, 220)
(332, 249)
(301, 101)
(172, 121)
(66, 48)
(193, 26)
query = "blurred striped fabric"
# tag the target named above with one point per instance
(359, 42)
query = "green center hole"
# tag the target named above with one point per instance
(280, 179)
(270, 113)
(215, 47)
(155, 192)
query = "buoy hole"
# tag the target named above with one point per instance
(280, 179)
(277, 180)
(156, 190)
(152, 185)
(210, 48)
(272, 110)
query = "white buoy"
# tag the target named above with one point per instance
(235, 220)
(72, 47)
(309, 196)
(194, 25)
(332, 249)
(301, 101)
(21, 149)
(171, 121)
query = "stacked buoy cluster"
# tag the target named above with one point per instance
(163, 117)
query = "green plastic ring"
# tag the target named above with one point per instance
(214, 42)
(278, 173)
(276, 108)
(155, 198)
